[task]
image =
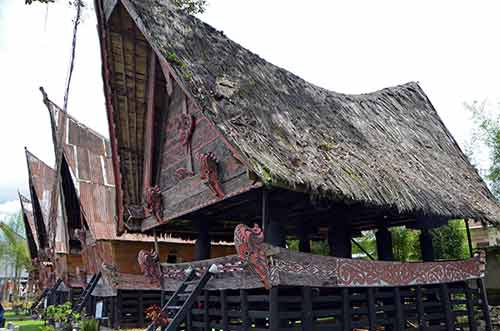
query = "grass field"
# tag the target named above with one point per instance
(24, 321)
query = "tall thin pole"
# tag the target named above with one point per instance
(469, 239)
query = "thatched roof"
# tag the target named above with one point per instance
(388, 148)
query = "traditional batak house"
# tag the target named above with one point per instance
(209, 141)
(53, 263)
(110, 268)
(34, 283)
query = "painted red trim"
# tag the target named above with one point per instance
(203, 205)
(103, 42)
(148, 132)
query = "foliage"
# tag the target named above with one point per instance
(406, 244)
(192, 6)
(450, 241)
(61, 314)
(486, 132)
(31, 325)
(14, 246)
(89, 325)
(369, 244)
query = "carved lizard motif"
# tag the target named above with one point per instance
(249, 243)
(149, 263)
(209, 173)
(185, 127)
(153, 202)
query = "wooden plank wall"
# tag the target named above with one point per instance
(181, 195)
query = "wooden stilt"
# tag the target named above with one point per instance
(245, 319)
(420, 308)
(470, 309)
(223, 308)
(484, 304)
(206, 317)
(445, 303)
(372, 316)
(346, 310)
(307, 306)
(274, 313)
(399, 319)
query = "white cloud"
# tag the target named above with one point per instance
(9, 208)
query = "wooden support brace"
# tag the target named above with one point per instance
(484, 304)
(420, 308)
(346, 310)
(399, 319)
(223, 308)
(372, 309)
(274, 311)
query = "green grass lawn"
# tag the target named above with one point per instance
(24, 321)
(29, 325)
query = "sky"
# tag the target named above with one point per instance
(450, 47)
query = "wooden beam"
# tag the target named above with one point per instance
(420, 308)
(206, 317)
(399, 319)
(150, 115)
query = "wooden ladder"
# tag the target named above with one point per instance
(190, 288)
(39, 299)
(85, 295)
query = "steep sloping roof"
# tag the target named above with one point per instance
(49, 225)
(29, 225)
(88, 156)
(388, 148)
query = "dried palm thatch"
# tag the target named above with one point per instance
(388, 148)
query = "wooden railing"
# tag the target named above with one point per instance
(445, 306)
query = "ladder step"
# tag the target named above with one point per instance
(192, 282)
(174, 307)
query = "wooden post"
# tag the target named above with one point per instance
(420, 308)
(445, 302)
(469, 238)
(140, 307)
(265, 209)
(307, 306)
(245, 319)
(223, 308)
(399, 320)
(372, 309)
(470, 309)
(206, 317)
(275, 234)
(426, 245)
(203, 244)
(484, 304)
(346, 310)
(116, 312)
(303, 233)
(339, 240)
(274, 310)
(384, 244)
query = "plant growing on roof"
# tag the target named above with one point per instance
(191, 6)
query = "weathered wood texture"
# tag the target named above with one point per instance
(298, 308)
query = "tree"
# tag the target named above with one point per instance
(486, 132)
(14, 246)
(450, 241)
(189, 6)
(406, 244)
